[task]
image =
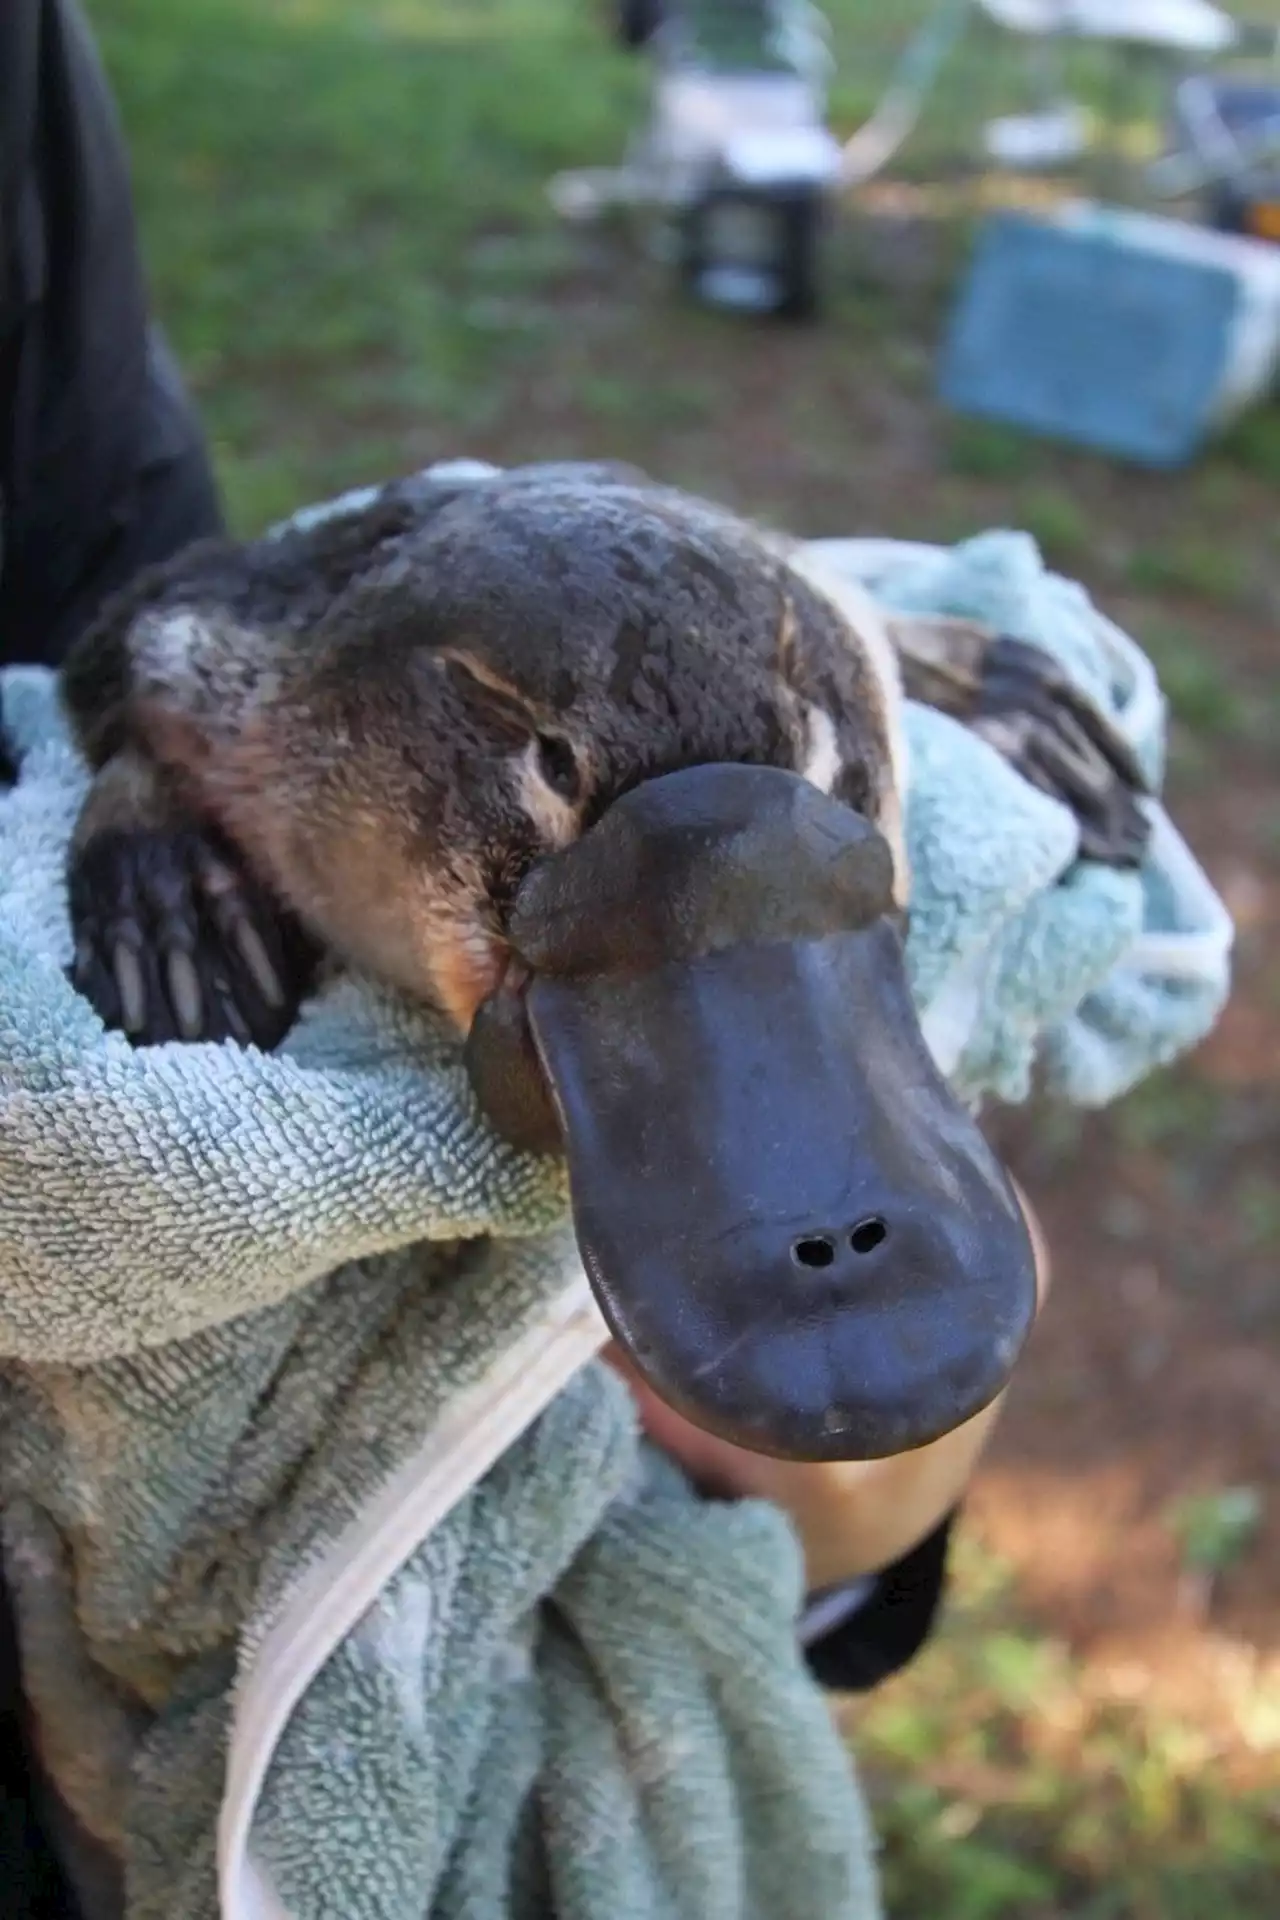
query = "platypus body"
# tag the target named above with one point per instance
(597, 770)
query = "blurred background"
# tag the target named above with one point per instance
(346, 222)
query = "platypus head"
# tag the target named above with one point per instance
(590, 765)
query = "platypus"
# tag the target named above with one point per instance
(610, 777)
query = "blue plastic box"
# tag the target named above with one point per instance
(1080, 336)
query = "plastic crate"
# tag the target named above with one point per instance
(1094, 335)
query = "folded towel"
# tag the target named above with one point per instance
(1023, 958)
(257, 1583)
(344, 1582)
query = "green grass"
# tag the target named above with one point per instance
(1059, 523)
(344, 216)
(1197, 569)
(1254, 443)
(1006, 1789)
(1197, 682)
(987, 450)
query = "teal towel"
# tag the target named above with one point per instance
(344, 1583)
(1028, 964)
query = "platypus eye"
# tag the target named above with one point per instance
(558, 766)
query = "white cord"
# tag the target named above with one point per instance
(897, 115)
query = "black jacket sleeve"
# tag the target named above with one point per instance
(103, 469)
(892, 1622)
(102, 464)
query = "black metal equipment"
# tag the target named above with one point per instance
(736, 153)
(1248, 199)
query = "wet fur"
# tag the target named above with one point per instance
(388, 716)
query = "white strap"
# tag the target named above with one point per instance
(475, 1431)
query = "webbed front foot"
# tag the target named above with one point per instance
(1017, 698)
(174, 938)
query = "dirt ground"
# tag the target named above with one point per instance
(1154, 1374)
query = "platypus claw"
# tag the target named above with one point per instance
(175, 941)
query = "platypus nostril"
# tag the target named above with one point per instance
(814, 1250)
(868, 1235)
(818, 1250)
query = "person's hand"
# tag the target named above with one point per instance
(853, 1517)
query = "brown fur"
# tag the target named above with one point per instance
(394, 713)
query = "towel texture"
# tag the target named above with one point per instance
(1027, 963)
(249, 1306)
